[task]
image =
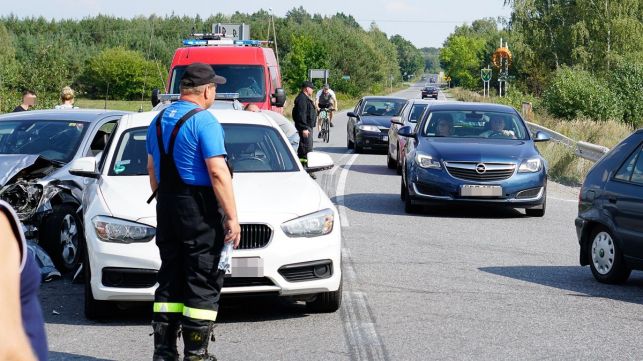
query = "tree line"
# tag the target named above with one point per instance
(581, 58)
(120, 58)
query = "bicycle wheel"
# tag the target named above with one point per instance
(326, 128)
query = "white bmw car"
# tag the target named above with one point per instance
(291, 235)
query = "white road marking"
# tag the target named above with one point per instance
(341, 187)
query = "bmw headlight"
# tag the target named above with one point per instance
(116, 230)
(369, 128)
(312, 225)
(427, 161)
(530, 166)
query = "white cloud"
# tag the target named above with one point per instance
(397, 6)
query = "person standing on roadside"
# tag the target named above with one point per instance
(304, 114)
(196, 214)
(21, 321)
(28, 101)
(67, 99)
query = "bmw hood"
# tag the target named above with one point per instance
(282, 195)
(379, 121)
(479, 150)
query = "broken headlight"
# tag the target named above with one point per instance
(26, 197)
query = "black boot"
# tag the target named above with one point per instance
(196, 341)
(165, 335)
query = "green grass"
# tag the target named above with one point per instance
(564, 166)
(128, 105)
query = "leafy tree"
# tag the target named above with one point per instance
(410, 59)
(461, 57)
(120, 74)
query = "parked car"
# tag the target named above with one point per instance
(368, 124)
(459, 155)
(35, 150)
(290, 245)
(430, 92)
(610, 213)
(412, 111)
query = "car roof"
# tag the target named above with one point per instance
(485, 107)
(373, 97)
(224, 116)
(78, 115)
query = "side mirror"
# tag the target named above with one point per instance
(397, 120)
(406, 131)
(318, 161)
(353, 115)
(155, 97)
(84, 167)
(279, 98)
(541, 137)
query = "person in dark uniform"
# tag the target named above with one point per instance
(304, 114)
(196, 214)
(21, 320)
(28, 101)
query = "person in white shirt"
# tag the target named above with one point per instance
(326, 99)
(67, 96)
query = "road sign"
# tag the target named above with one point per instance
(318, 74)
(232, 31)
(346, 77)
(485, 74)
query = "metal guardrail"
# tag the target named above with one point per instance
(582, 149)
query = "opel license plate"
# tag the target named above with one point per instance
(480, 190)
(247, 267)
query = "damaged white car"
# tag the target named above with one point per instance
(35, 150)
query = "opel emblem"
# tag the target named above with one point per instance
(480, 168)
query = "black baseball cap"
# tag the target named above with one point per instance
(308, 84)
(197, 74)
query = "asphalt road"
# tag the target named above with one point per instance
(453, 283)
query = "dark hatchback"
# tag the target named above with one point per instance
(430, 92)
(610, 213)
(368, 124)
(476, 153)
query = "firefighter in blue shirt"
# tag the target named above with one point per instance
(196, 214)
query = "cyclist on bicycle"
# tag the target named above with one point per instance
(327, 100)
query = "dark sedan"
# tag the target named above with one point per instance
(610, 213)
(368, 124)
(430, 92)
(473, 154)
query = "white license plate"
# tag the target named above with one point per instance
(247, 267)
(480, 190)
(385, 138)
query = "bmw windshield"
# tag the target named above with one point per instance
(56, 140)
(474, 124)
(246, 80)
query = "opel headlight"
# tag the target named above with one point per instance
(369, 128)
(530, 166)
(312, 225)
(116, 230)
(426, 161)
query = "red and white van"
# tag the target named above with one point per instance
(251, 70)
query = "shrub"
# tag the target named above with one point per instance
(125, 73)
(577, 93)
(626, 81)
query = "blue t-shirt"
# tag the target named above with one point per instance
(200, 137)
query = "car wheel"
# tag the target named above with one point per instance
(62, 237)
(402, 190)
(606, 258)
(409, 207)
(94, 309)
(326, 302)
(390, 162)
(537, 212)
(358, 147)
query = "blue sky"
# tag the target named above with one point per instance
(423, 22)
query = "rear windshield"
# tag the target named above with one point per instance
(383, 107)
(474, 124)
(247, 80)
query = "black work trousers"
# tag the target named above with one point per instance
(189, 236)
(305, 144)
